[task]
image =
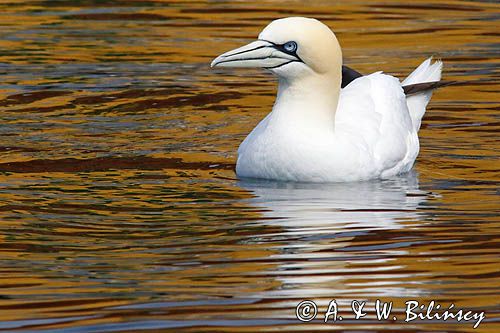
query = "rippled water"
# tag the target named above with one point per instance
(120, 209)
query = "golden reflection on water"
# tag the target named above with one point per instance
(120, 209)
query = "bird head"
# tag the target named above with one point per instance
(289, 47)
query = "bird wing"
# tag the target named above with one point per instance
(349, 75)
(373, 115)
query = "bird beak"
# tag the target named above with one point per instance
(260, 53)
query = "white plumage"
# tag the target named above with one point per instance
(318, 132)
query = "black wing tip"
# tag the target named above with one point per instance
(349, 75)
(416, 88)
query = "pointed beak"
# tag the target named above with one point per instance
(260, 53)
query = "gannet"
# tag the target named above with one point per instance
(318, 131)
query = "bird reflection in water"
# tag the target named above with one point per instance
(334, 236)
(370, 204)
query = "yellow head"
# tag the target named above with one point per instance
(290, 47)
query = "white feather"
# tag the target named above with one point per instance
(417, 103)
(374, 137)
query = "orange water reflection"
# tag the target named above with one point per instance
(120, 210)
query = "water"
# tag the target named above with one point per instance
(120, 209)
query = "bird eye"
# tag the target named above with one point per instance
(290, 46)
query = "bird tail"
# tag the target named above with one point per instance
(417, 102)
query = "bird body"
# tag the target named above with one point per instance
(316, 131)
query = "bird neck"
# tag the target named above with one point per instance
(308, 103)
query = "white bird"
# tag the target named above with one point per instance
(317, 131)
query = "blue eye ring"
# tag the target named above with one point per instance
(290, 46)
